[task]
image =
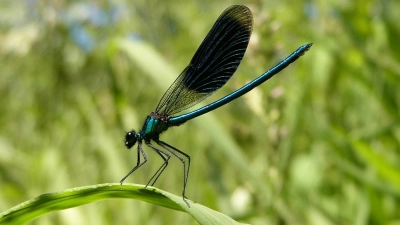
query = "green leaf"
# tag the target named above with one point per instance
(32, 209)
(379, 163)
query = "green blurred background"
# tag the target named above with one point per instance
(317, 144)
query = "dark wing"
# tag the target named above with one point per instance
(217, 58)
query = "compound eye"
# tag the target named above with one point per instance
(130, 139)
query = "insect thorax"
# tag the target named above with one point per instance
(154, 125)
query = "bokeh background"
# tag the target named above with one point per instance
(317, 144)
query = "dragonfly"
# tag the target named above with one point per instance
(212, 65)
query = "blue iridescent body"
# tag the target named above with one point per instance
(153, 126)
(213, 64)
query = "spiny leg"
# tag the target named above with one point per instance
(165, 156)
(186, 168)
(138, 164)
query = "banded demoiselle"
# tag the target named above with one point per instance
(214, 62)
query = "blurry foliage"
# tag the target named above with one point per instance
(321, 140)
